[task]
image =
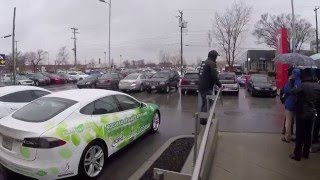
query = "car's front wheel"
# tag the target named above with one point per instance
(155, 122)
(36, 83)
(92, 160)
(93, 85)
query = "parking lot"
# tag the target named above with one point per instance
(241, 113)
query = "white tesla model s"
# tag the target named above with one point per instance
(72, 132)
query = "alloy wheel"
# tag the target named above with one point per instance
(94, 161)
(155, 122)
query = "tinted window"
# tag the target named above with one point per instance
(43, 109)
(226, 76)
(161, 75)
(101, 106)
(191, 76)
(260, 79)
(109, 76)
(18, 97)
(127, 102)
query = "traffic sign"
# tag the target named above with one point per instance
(2, 59)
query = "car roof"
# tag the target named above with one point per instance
(11, 89)
(84, 96)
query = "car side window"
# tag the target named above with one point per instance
(18, 97)
(127, 103)
(101, 106)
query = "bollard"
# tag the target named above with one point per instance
(159, 176)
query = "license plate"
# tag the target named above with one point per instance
(7, 143)
(153, 87)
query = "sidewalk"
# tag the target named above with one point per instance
(245, 156)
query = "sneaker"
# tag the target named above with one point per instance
(285, 140)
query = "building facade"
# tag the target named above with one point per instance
(258, 61)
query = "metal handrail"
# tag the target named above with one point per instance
(199, 161)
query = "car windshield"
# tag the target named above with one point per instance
(191, 76)
(132, 76)
(261, 79)
(161, 75)
(22, 78)
(39, 76)
(109, 76)
(93, 76)
(43, 109)
(226, 76)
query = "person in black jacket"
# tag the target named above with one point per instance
(208, 77)
(308, 94)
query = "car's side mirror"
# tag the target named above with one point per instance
(142, 105)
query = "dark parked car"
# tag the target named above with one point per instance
(56, 79)
(109, 81)
(39, 79)
(163, 81)
(260, 84)
(89, 82)
(189, 82)
(70, 79)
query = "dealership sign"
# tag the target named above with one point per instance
(2, 59)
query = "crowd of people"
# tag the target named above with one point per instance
(301, 99)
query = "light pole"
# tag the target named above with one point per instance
(109, 4)
(120, 60)
(105, 59)
(293, 29)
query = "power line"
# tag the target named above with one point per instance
(74, 31)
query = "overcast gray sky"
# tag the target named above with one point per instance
(140, 28)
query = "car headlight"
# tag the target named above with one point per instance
(133, 84)
(162, 83)
(257, 88)
(88, 83)
(274, 88)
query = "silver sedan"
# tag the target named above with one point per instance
(133, 81)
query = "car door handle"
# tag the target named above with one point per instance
(13, 108)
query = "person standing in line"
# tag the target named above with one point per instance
(208, 77)
(308, 94)
(289, 104)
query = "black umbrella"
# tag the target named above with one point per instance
(295, 59)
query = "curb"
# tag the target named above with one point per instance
(146, 165)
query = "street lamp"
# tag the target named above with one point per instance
(6, 36)
(109, 4)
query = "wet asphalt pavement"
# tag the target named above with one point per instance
(241, 113)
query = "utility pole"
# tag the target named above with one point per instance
(317, 36)
(293, 29)
(105, 59)
(182, 24)
(74, 31)
(13, 42)
(120, 60)
(16, 49)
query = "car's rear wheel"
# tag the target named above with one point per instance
(93, 85)
(155, 122)
(149, 91)
(92, 160)
(167, 88)
(251, 92)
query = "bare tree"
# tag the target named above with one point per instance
(62, 56)
(175, 60)
(229, 26)
(266, 29)
(126, 63)
(35, 58)
(164, 57)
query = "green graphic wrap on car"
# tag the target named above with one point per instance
(65, 153)
(25, 152)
